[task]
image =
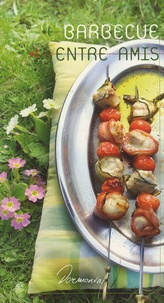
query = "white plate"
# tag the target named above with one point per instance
(76, 145)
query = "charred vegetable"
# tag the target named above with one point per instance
(106, 95)
(141, 181)
(109, 167)
(141, 108)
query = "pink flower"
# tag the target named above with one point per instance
(16, 163)
(3, 176)
(12, 204)
(5, 214)
(31, 172)
(34, 192)
(38, 180)
(20, 221)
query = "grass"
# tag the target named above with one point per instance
(26, 80)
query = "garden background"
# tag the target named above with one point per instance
(27, 78)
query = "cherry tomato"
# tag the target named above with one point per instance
(113, 184)
(140, 124)
(144, 163)
(108, 114)
(108, 149)
(147, 201)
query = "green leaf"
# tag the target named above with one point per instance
(36, 300)
(23, 140)
(3, 158)
(40, 152)
(5, 151)
(22, 129)
(42, 130)
(20, 289)
(18, 191)
(10, 147)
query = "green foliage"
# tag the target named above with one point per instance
(32, 138)
(40, 152)
(42, 130)
(24, 141)
(7, 150)
(18, 191)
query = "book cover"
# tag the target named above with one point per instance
(81, 162)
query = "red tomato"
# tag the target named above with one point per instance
(144, 163)
(147, 201)
(108, 149)
(108, 114)
(141, 124)
(113, 184)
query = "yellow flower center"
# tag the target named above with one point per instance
(19, 220)
(16, 165)
(34, 193)
(10, 204)
(5, 212)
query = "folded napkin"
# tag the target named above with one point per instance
(63, 260)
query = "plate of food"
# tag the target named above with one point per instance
(110, 154)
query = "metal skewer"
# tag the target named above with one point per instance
(107, 269)
(141, 265)
(140, 297)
